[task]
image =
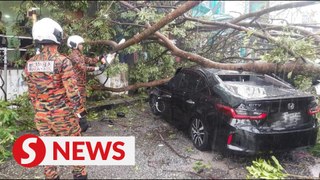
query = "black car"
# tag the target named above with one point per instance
(240, 111)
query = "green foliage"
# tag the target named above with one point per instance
(7, 115)
(117, 68)
(301, 47)
(178, 32)
(263, 169)
(15, 116)
(315, 150)
(199, 166)
(133, 49)
(189, 25)
(148, 14)
(302, 82)
(93, 94)
(7, 129)
(157, 65)
(92, 116)
(6, 140)
(25, 112)
(98, 27)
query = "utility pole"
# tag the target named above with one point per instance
(32, 13)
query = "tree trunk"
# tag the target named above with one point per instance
(133, 87)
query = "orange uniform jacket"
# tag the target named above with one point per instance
(52, 83)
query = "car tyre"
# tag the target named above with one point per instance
(199, 134)
(157, 106)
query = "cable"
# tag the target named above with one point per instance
(2, 80)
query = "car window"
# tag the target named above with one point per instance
(189, 82)
(183, 83)
(175, 81)
(202, 87)
(193, 79)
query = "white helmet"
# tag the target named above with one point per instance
(47, 31)
(74, 41)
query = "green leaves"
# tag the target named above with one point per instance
(13, 119)
(315, 150)
(98, 23)
(304, 47)
(302, 82)
(266, 169)
(179, 32)
(117, 68)
(198, 166)
(148, 14)
(7, 128)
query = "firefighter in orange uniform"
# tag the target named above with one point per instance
(51, 83)
(82, 65)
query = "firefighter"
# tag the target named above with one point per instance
(82, 65)
(51, 83)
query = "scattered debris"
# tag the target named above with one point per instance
(121, 114)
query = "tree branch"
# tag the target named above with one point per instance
(260, 67)
(271, 9)
(161, 23)
(106, 42)
(279, 27)
(128, 24)
(241, 58)
(257, 66)
(133, 87)
(255, 33)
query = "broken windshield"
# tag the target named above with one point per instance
(255, 86)
(254, 80)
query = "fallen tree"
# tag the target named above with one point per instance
(298, 67)
(220, 41)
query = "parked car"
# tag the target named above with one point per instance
(240, 111)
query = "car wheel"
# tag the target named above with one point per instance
(199, 134)
(157, 106)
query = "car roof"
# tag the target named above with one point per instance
(209, 71)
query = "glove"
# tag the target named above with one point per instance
(83, 124)
(83, 121)
(110, 57)
(102, 67)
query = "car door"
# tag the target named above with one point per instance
(184, 99)
(166, 96)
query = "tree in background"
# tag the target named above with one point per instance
(163, 35)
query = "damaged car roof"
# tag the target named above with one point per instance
(235, 87)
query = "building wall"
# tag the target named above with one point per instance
(15, 84)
